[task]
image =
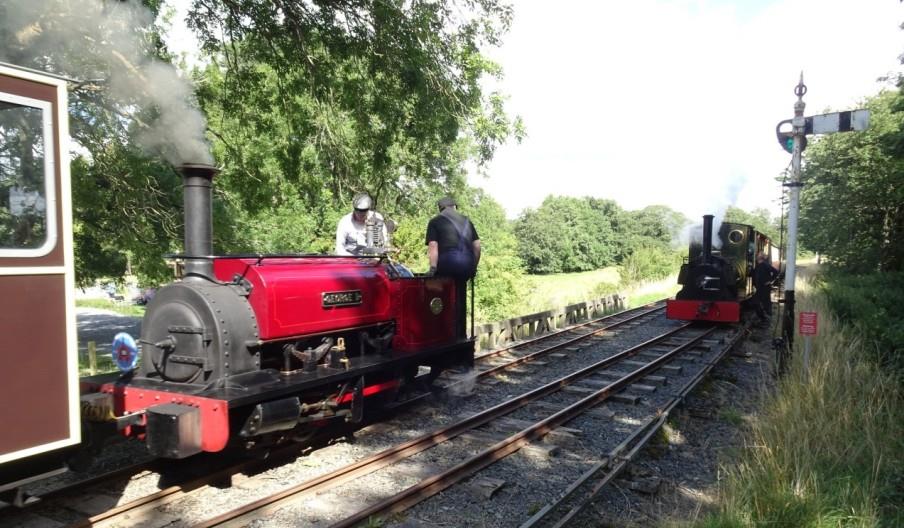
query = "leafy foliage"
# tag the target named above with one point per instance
(654, 224)
(122, 107)
(306, 103)
(758, 218)
(500, 283)
(650, 263)
(356, 95)
(870, 303)
(579, 234)
(852, 209)
(128, 210)
(567, 234)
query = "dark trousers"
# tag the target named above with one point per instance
(458, 264)
(762, 302)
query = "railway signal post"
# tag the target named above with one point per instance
(798, 137)
(795, 142)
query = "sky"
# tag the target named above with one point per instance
(672, 102)
(676, 102)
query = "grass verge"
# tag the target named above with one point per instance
(828, 447)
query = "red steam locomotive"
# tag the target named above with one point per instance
(255, 350)
(245, 351)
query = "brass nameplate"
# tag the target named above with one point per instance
(341, 298)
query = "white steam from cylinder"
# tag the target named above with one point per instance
(97, 41)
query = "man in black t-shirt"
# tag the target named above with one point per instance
(763, 277)
(453, 248)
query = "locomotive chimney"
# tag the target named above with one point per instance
(196, 188)
(707, 238)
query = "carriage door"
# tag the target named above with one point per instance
(39, 372)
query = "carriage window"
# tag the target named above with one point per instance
(736, 236)
(23, 175)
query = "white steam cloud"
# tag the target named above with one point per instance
(104, 44)
(463, 386)
(693, 232)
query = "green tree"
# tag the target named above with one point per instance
(500, 284)
(852, 208)
(650, 262)
(128, 110)
(568, 234)
(654, 225)
(306, 103)
(352, 96)
(758, 218)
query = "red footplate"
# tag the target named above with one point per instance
(688, 310)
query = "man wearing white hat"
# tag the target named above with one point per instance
(362, 231)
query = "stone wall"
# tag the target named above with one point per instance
(495, 335)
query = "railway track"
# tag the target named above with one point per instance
(579, 493)
(631, 372)
(571, 340)
(487, 365)
(656, 356)
(534, 349)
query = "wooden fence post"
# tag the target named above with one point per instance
(92, 357)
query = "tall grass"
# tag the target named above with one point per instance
(828, 447)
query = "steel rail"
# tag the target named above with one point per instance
(534, 355)
(433, 485)
(651, 426)
(400, 452)
(126, 471)
(176, 492)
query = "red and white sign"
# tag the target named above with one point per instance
(808, 323)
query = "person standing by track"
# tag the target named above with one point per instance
(453, 248)
(763, 277)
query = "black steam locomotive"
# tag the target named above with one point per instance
(717, 281)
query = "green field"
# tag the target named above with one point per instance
(553, 291)
(121, 308)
